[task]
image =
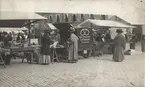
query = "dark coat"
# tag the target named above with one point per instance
(45, 45)
(119, 47)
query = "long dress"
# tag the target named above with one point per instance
(119, 47)
(45, 49)
(73, 49)
(143, 44)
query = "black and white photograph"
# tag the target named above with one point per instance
(72, 43)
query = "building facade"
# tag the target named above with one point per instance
(75, 19)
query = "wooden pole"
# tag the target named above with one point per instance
(142, 40)
(29, 27)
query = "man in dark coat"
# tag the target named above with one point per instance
(119, 46)
(45, 48)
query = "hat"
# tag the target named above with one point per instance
(119, 31)
(72, 29)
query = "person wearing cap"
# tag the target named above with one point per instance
(45, 48)
(73, 47)
(119, 46)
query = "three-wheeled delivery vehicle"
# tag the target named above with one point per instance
(85, 41)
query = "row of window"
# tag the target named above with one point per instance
(74, 18)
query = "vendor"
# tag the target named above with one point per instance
(55, 36)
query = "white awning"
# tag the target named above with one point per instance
(17, 19)
(104, 23)
(51, 26)
(13, 29)
(11, 15)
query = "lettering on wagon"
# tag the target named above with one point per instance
(84, 36)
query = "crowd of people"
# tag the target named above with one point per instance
(99, 38)
(7, 38)
(48, 38)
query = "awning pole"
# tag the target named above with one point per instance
(29, 27)
(142, 41)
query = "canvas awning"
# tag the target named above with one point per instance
(17, 19)
(12, 29)
(51, 26)
(16, 30)
(104, 23)
(12, 15)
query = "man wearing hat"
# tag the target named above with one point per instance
(119, 46)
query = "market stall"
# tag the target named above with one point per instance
(64, 36)
(104, 26)
(18, 20)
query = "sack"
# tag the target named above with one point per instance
(128, 52)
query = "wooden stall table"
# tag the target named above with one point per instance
(33, 50)
(55, 53)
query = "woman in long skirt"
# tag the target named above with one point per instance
(73, 48)
(119, 46)
(45, 48)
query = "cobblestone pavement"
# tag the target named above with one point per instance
(91, 72)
